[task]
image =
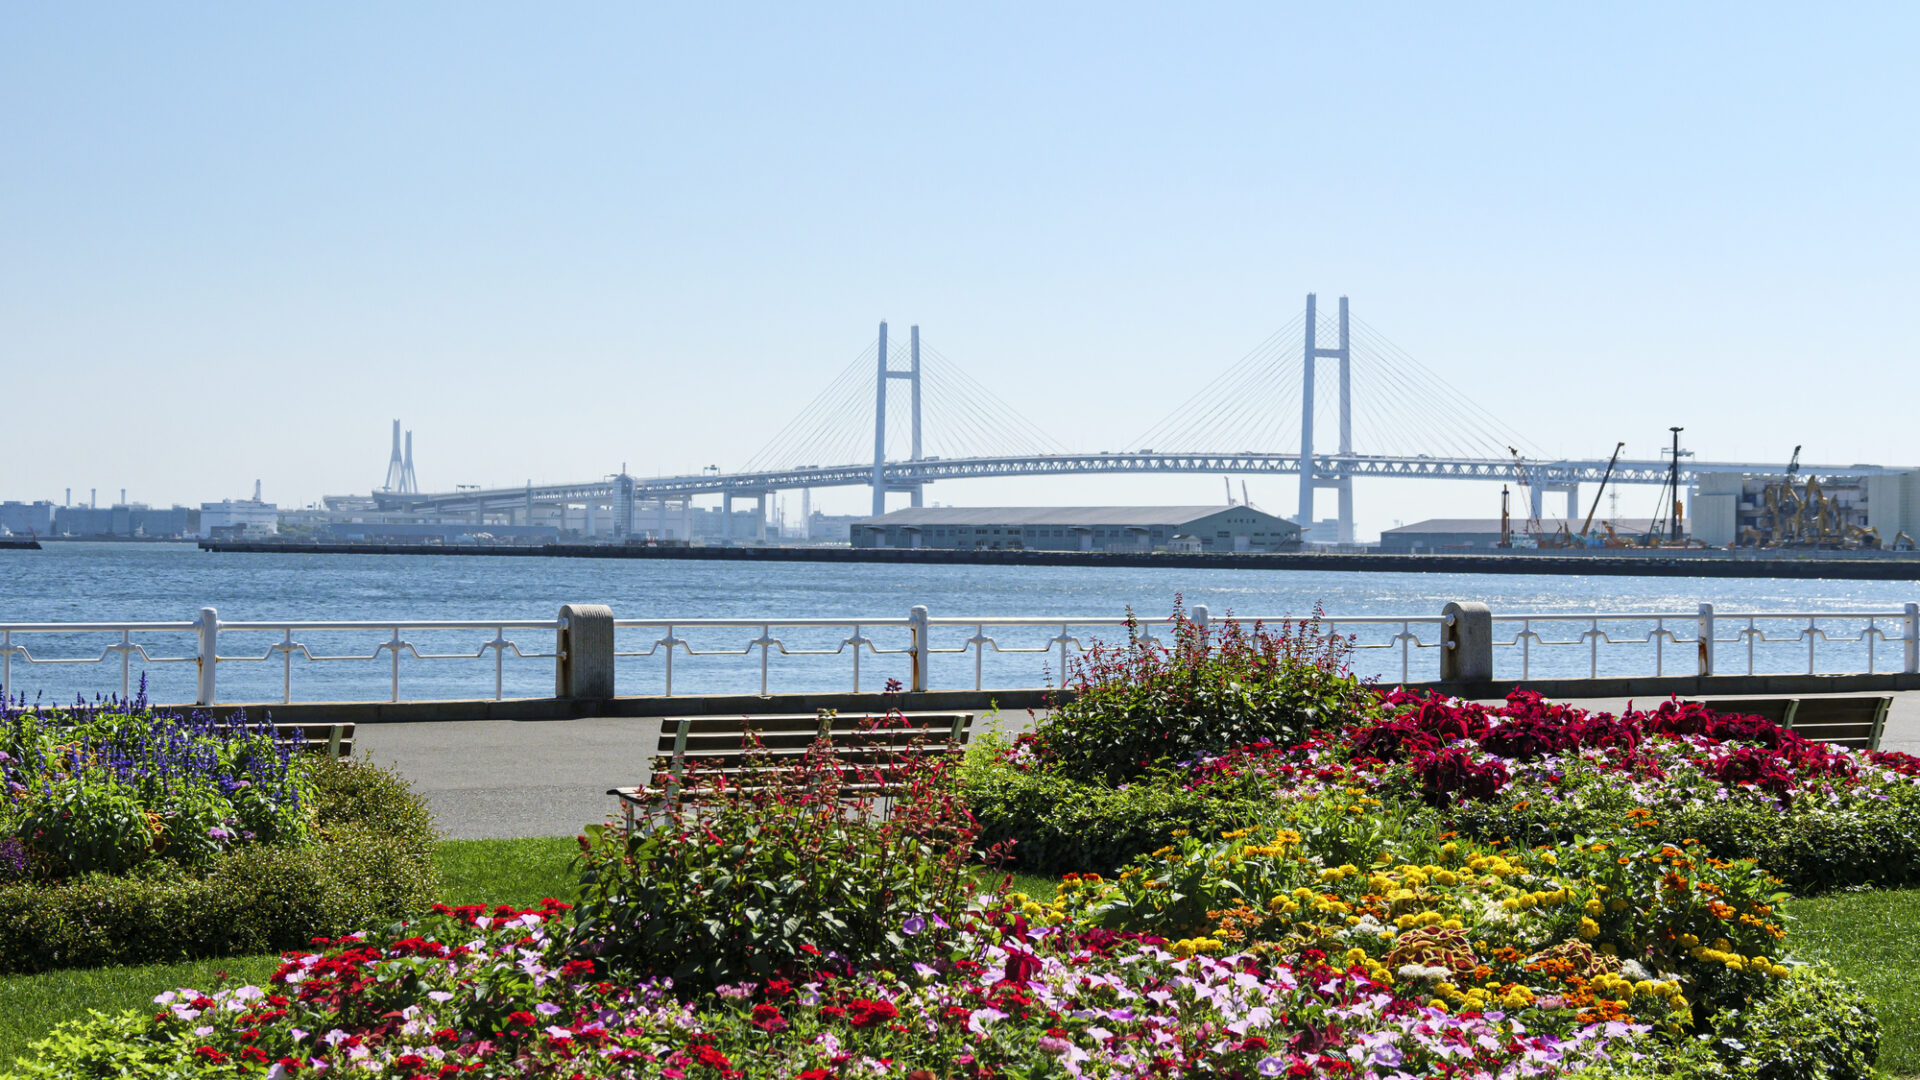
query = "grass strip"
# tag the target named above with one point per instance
(1872, 938)
(518, 872)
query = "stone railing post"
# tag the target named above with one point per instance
(1912, 622)
(1705, 634)
(206, 656)
(583, 648)
(922, 631)
(1466, 642)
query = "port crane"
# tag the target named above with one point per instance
(1587, 526)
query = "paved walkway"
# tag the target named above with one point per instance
(504, 778)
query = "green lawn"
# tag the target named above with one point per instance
(1873, 939)
(518, 872)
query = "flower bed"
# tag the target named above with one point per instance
(1406, 886)
(1009, 999)
(112, 788)
(129, 835)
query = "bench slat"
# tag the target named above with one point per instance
(798, 742)
(703, 725)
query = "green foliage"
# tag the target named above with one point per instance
(1057, 825)
(1215, 688)
(32, 1005)
(1814, 1026)
(1812, 846)
(754, 881)
(110, 788)
(1681, 1059)
(254, 898)
(105, 1047)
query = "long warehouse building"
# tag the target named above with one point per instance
(1078, 528)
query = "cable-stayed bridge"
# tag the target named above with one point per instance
(901, 415)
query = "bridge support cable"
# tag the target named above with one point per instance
(997, 428)
(828, 430)
(1479, 429)
(1247, 406)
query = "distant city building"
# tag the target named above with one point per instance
(238, 518)
(829, 527)
(1079, 528)
(27, 518)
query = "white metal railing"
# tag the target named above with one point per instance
(1639, 640)
(669, 640)
(1702, 632)
(210, 634)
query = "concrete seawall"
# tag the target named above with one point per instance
(1702, 564)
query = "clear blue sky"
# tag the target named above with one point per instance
(237, 240)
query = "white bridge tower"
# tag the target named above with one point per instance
(1312, 478)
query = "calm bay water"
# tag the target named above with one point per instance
(79, 582)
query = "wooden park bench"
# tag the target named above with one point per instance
(716, 746)
(1851, 721)
(333, 740)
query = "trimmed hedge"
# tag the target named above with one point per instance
(373, 863)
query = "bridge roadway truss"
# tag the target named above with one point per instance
(621, 492)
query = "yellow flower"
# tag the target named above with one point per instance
(1589, 929)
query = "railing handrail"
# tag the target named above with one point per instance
(265, 625)
(1463, 633)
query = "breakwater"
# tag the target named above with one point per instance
(1701, 564)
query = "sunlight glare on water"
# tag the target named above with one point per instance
(80, 582)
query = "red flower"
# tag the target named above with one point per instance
(864, 1012)
(767, 1018)
(1021, 967)
(779, 988)
(810, 949)
(210, 1055)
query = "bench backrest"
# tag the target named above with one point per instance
(1855, 722)
(333, 740)
(1851, 721)
(718, 745)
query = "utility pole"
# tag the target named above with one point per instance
(1673, 482)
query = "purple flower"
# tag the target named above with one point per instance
(913, 926)
(1271, 1066)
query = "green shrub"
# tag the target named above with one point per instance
(741, 883)
(1814, 1026)
(372, 862)
(1144, 703)
(1054, 824)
